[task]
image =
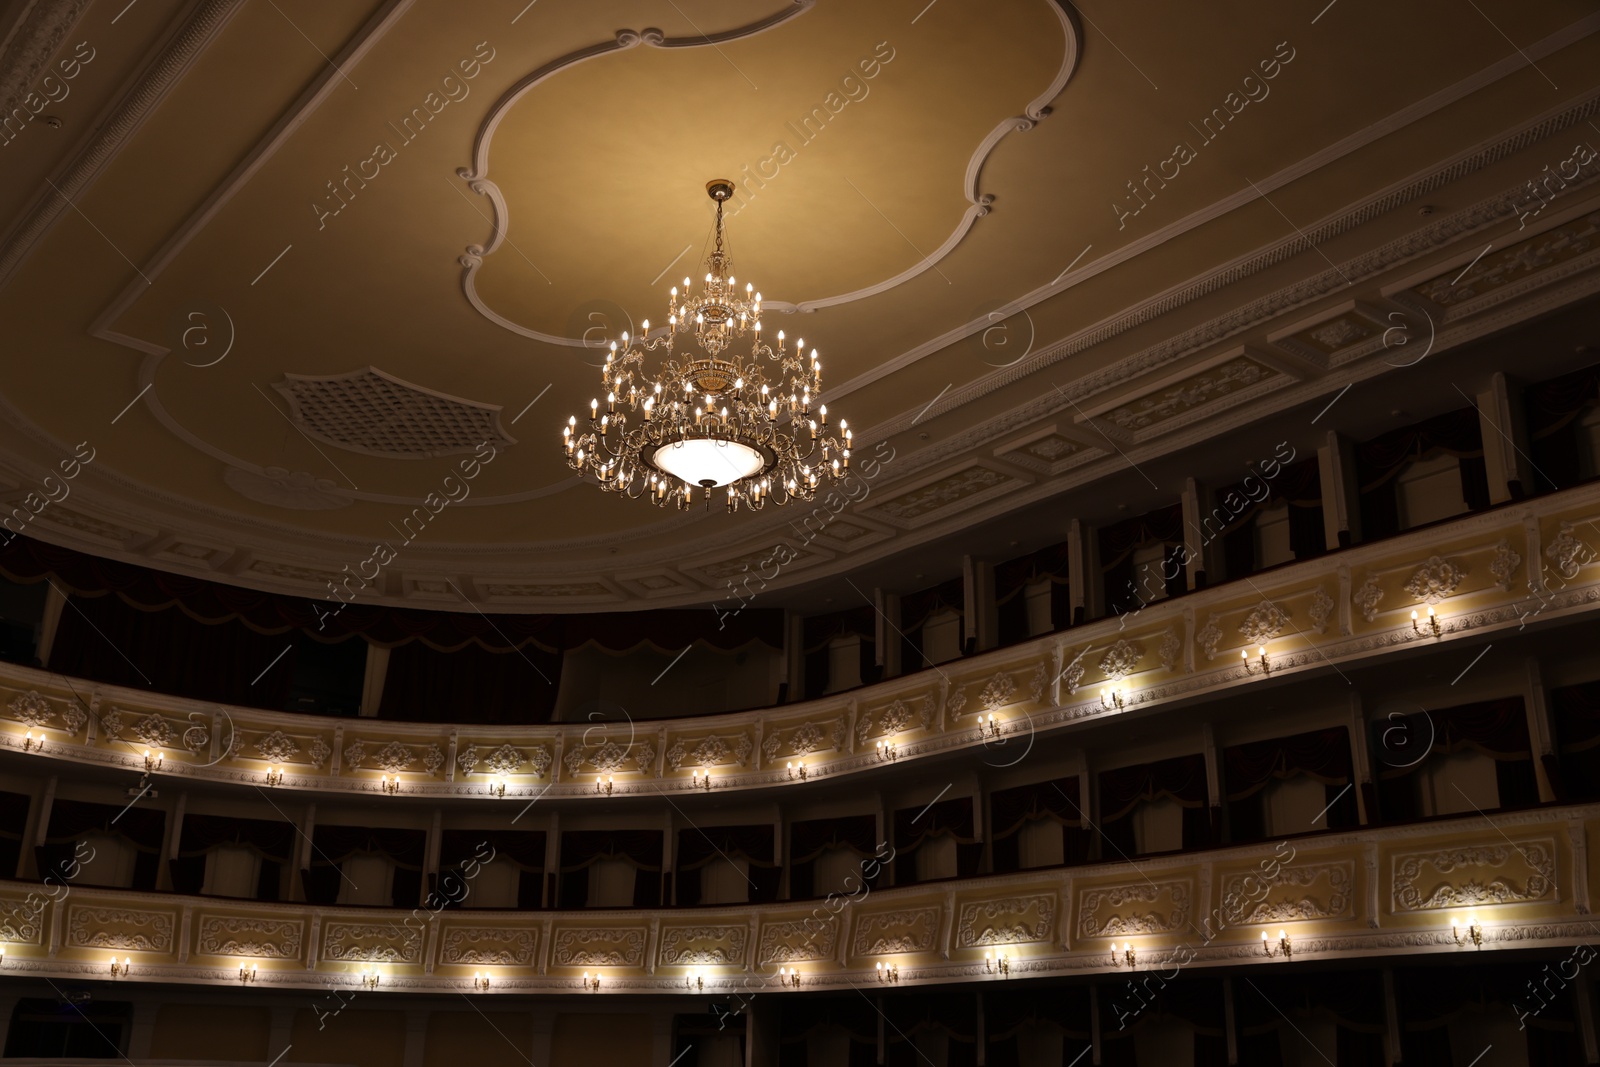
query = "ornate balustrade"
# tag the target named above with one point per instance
(1516, 880)
(1487, 573)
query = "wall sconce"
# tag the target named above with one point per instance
(1262, 666)
(1433, 623)
(2, 955)
(796, 770)
(1284, 949)
(247, 974)
(497, 788)
(1127, 956)
(694, 981)
(996, 964)
(370, 978)
(789, 976)
(700, 781)
(988, 727)
(604, 785)
(888, 752)
(390, 785)
(152, 762)
(274, 776)
(1111, 698)
(32, 744)
(889, 973)
(480, 982)
(592, 984)
(1474, 931)
(120, 970)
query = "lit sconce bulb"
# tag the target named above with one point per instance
(480, 981)
(748, 287)
(1433, 622)
(1111, 697)
(247, 974)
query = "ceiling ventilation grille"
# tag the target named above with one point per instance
(377, 414)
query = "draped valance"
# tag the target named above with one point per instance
(1323, 755)
(1011, 809)
(1182, 778)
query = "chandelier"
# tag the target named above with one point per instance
(713, 418)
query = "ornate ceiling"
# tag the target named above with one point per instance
(305, 279)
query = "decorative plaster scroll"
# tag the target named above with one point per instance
(371, 943)
(393, 757)
(1435, 580)
(1170, 649)
(1322, 606)
(276, 747)
(957, 700)
(31, 709)
(724, 945)
(153, 730)
(1038, 684)
(319, 752)
(1315, 891)
(1011, 921)
(138, 929)
(998, 692)
(1121, 659)
(232, 935)
(599, 948)
(1209, 636)
(793, 942)
(1145, 908)
(500, 945)
(908, 930)
(1504, 564)
(1366, 598)
(1264, 623)
(1568, 552)
(1453, 878)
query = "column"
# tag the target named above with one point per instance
(541, 1022)
(1540, 733)
(794, 652)
(33, 832)
(282, 1031)
(1193, 540)
(1505, 441)
(887, 632)
(1341, 517)
(143, 1029)
(1094, 594)
(372, 681)
(552, 861)
(661, 1039)
(173, 835)
(54, 602)
(981, 608)
(1361, 761)
(430, 863)
(1077, 574)
(416, 1036)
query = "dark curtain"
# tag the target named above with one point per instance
(1576, 711)
(953, 1013)
(165, 651)
(70, 820)
(581, 848)
(820, 630)
(1455, 433)
(1495, 728)
(14, 811)
(523, 849)
(272, 840)
(755, 843)
(1012, 809)
(809, 838)
(1235, 509)
(1323, 755)
(914, 827)
(1012, 579)
(1553, 408)
(470, 685)
(1125, 590)
(25, 560)
(916, 609)
(1182, 778)
(332, 845)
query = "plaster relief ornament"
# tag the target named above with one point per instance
(840, 733)
(74, 715)
(1121, 659)
(929, 713)
(393, 757)
(676, 755)
(467, 759)
(806, 739)
(111, 725)
(506, 759)
(1568, 553)
(153, 730)
(769, 747)
(433, 759)
(998, 693)
(1435, 580)
(197, 736)
(1264, 623)
(1171, 648)
(1321, 607)
(741, 750)
(1366, 598)
(1073, 675)
(1504, 564)
(608, 757)
(646, 757)
(711, 751)
(1038, 683)
(539, 759)
(896, 717)
(354, 753)
(864, 728)
(319, 751)
(30, 708)
(1209, 636)
(575, 760)
(276, 747)
(956, 700)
